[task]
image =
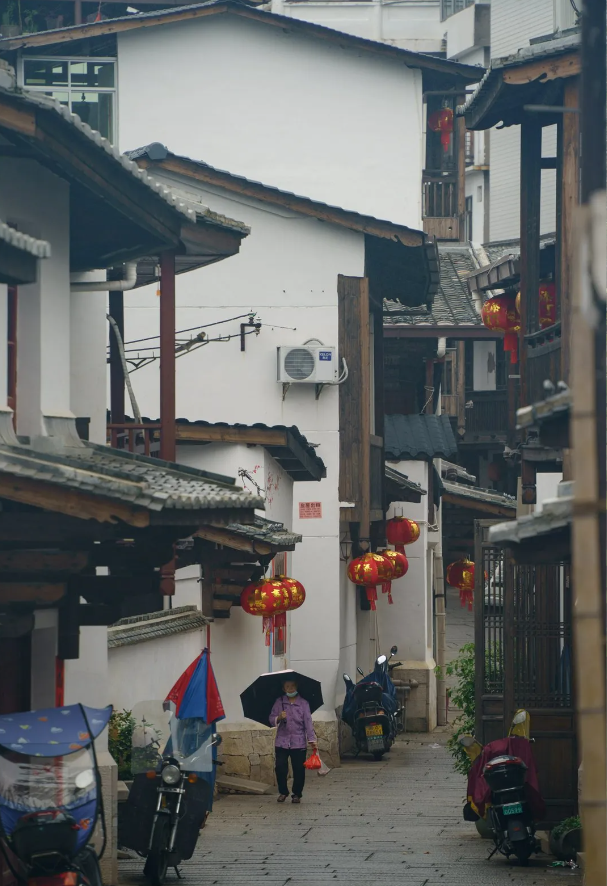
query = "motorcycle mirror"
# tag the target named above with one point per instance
(466, 741)
(84, 779)
(381, 660)
(346, 678)
(217, 740)
(394, 650)
(361, 672)
(519, 718)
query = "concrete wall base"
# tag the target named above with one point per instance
(421, 707)
(248, 752)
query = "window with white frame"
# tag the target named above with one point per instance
(86, 86)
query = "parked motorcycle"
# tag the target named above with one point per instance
(503, 789)
(50, 795)
(371, 710)
(172, 764)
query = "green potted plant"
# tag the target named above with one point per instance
(566, 838)
(10, 20)
(120, 738)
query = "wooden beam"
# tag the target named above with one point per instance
(35, 593)
(43, 561)
(193, 433)
(531, 153)
(231, 540)
(233, 573)
(51, 530)
(221, 605)
(230, 590)
(73, 502)
(17, 119)
(106, 587)
(567, 65)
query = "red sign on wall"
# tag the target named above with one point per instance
(310, 510)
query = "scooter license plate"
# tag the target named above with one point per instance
(373, 729)
(512, 809)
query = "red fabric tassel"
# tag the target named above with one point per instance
(511, 344)
(372, 597)
(280, 623)
(390, 600)
(386, 587)
(399, 548)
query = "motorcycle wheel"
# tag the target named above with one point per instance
(522, 852)
(157, 862)
(377, 755)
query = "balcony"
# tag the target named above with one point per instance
(439, 205)
(143, 439)
(484, 416)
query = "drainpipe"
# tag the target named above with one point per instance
(441, 639)
(167, 392)
(129, 281)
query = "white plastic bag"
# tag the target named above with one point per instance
(324, 769)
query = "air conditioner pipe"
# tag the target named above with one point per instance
(128, 281)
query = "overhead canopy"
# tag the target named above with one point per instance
(53, 732)
(118, 213)
(19, 255)
(398, 487)
(532, 76)
(401, 262)
(410, 437)
(544, 536)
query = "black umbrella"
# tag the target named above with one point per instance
(258, 699)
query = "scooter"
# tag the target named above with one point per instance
(172, 791)
(370, 709)
(50, 795)
(503, 789)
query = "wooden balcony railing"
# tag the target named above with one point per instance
(440, 205)
(141, 438)
(488, 413)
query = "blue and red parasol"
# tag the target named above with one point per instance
(195, 694)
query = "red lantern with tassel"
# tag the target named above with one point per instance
(296, 591)
(460, 575)
(401, 531)
(400, 566)
(546, 304)
(369, 571)
(442, 121)
(266, 598)
(501, 314)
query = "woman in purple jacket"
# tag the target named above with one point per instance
(291, 714)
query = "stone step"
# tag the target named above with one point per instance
(242, 785)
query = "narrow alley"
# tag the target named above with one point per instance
(394, 822)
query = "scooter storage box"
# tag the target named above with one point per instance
(505, 772)
(49, 833)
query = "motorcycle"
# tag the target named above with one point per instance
(173, 767)
(50, 795)
(371, 710)
(503, 789)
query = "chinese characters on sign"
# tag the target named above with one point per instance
(310, 510)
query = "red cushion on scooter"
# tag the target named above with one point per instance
(514, 746)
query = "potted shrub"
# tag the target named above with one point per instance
(10, 20)
(566, 839)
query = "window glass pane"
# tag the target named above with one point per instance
(62, 97)
(92, 74)
(44, 72)
(96, 109)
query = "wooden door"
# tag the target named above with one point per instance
(488, 633)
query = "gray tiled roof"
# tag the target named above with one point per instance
(418, 437)
(265, 530)
(500, 249)
(154, 625)
(453, 304)
(39, 248)
(403, 481)
(191, 211)
(135, 479)
(475, 493)
(556, 515)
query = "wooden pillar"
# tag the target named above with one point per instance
(77, 12)
(568, 193)
(167, 356)
(461, 170)
(461, 388)
(531, 156)
(116, 369)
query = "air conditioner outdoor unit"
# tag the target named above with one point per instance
(307, 364)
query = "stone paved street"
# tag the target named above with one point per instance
(394, 822)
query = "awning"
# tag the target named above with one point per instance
(418, 437)
(399, 488)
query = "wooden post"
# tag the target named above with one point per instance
(461, 171)
(116, 369)
(167, 356)
(441, 639)
(569, 196)
(531, 155)
(461, 388)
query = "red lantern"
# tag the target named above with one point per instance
(442, 121)
(400, 532)
(369, 571)
(400, 565)
(296, 591)
(547, 305)
(266, 598)
(460, 575)
(501, 314)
